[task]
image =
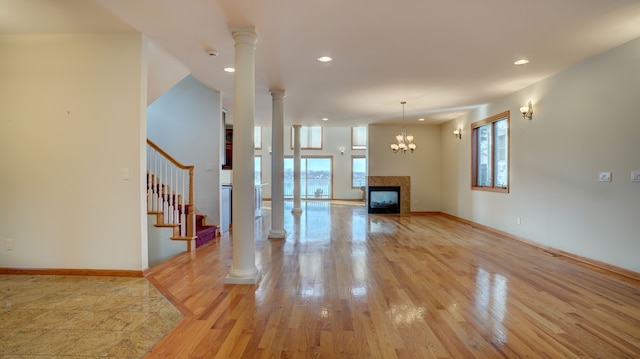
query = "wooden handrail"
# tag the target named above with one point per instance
(169, 157)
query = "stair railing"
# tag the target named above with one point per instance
(166, 185)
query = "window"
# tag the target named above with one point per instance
(358, 171)
(310, 138)
(257, 137)
(490, 154)
(359, 138)
(315, 177)
(257, 169)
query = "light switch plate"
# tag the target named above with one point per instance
(604, 176)
(635, 176)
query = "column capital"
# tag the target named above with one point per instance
(244, 35)
(277, 94)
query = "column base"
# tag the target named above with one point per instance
(252, 278)
(296, 211)
(277, 234)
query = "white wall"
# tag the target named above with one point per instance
(423, 165)
(333, 139)
(186, 122)
(161, 247)
(585, 120)
(71, 119)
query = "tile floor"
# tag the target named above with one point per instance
(80, 317)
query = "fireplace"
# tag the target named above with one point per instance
(383, 199)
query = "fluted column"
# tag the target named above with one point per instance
(277, 165)
(243, 269)
(297, 208)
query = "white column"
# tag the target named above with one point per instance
(277, 165)
(243, 269)
(297, 208)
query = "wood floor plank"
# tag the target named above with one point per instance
(345, 284)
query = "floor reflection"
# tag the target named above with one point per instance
(314, 223)
(490, 302)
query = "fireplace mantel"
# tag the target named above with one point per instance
(404, 182)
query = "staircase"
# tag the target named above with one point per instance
(167, 183)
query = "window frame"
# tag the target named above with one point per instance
(358, 146)
(302, 147)
(352, 158)
(506, 115)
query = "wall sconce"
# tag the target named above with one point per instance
(527, 111)
(458, 133)
(341, 149)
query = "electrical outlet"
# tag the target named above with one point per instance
(635, 176)
(8, 244)
(604, 176)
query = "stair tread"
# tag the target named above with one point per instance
(167, 225)
(183, 238)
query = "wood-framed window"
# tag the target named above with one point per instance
(310, 138)
(358, 171)
(257, 137)
(490, 153)
(359, 138)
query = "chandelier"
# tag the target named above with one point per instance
(405, 142)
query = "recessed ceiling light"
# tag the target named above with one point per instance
(229, 69)
(325, 59)
(325, 119)
(421, 119)
(521, 62)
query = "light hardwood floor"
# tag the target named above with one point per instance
(345, 284)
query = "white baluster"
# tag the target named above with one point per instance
(155, 181)
(183, 225)
(149, 199)
(174, 199)
(149, 196)
(183, 216)
(170, 195)
(158, 185)
(165, 203)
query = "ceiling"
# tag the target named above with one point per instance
(444, 57)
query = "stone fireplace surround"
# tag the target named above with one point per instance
(404, 182)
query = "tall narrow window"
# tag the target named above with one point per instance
(257, 169)
(310, 138)
(257, 137)
(490, 154)
(358, 171)
(359, 138)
